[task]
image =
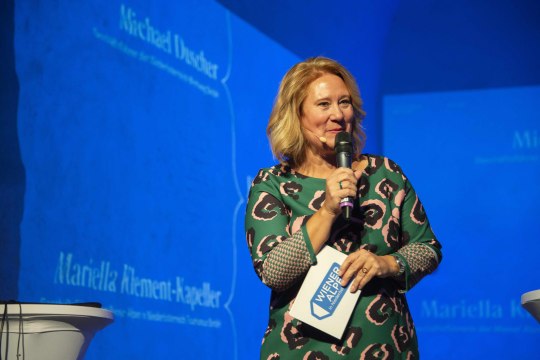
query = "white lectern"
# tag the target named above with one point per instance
(531, 302)
(49, 331)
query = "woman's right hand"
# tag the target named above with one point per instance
(320, 224)
(339, 185)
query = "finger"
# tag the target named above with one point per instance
(372, 268)
(343, 174)
(345, 189)
(351, 258)
(362, 278)
(362, 270)
(348, 177)
(344, 270)
(350, 270)
(347, 276)
(346, 263)
(349, 183)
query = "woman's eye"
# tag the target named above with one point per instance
(345, 103)
(324, 104)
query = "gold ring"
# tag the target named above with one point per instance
(364, 270)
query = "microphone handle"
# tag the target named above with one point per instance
(344, 160)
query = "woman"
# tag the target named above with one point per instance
(294, 210)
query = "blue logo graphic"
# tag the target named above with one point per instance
(327, 297)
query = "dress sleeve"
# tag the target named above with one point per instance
(280, 259)
(421, 252)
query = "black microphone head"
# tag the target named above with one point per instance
(343, 142)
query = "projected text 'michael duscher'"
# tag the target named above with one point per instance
(166, 41)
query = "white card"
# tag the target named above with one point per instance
(322, 302)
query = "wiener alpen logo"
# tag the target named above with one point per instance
(329, 294)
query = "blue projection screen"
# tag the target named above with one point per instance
(140, 125)
(474, 159)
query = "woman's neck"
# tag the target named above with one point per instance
(317, 165)
(321, 166)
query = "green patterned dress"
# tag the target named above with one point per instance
(388, 218)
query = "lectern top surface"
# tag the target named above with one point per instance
(56, 309)
(530, 296)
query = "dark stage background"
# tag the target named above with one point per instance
(131, 130)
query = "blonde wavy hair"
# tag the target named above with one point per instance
(284, 130)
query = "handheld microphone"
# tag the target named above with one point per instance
(343, 148)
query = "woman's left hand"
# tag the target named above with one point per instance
(362, 266)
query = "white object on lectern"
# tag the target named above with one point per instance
(531, 302)
(322, 302)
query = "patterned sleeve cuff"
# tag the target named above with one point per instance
(420, 260)
(287, 262)
(309, 246)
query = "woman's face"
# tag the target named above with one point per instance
(326, 111)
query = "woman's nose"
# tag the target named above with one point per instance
(337, 112)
